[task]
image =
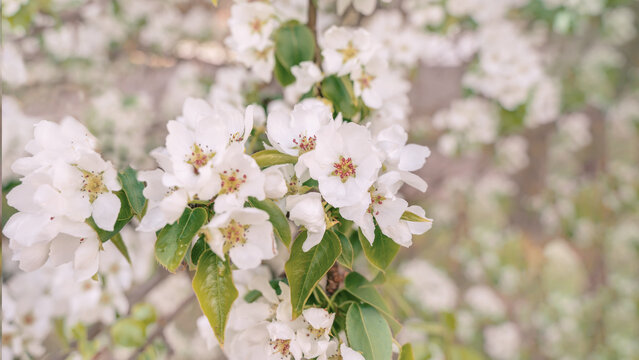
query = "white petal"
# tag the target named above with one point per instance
(350, 354)
(262, 237)
(274, 183)
(247, 256)
(86, 259)
(413, 157)
(414, 181)
(312, 239)
(366, 7)
(390, 211)
(63, 248)
(31, 257)
(152, 221)
(105, 210)
(341, 6)
(173, 205)
(28, 229)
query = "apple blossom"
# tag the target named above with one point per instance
(245, 234)
(307, 210)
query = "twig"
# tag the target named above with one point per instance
(312, 24)
(133, 297)
(159, 331)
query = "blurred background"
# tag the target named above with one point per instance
(531, 109)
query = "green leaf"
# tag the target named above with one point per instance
(409, 216)
(198, 248)
(129, 332)
(144, 312)
(368, 332)
(283, 75)
(174, 239)
(406, 352)
(340, 92)
(124, 216)
(364, 290)
(294, 43)
(276, 217)
(215, 291)
(121, 246)
(383, 250)
(133, 191)
(305, 269)
(465, 353)
(252, 296)
(346, 257)
(266, 158)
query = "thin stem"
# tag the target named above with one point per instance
(159, 331)
(312, 24)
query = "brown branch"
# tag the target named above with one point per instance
(136, 295)
(312, 24)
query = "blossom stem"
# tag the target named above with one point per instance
(159, 331)
(312, 24)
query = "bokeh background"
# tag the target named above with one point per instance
(531, 109)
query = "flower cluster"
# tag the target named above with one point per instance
(260, 323)
(64, 182)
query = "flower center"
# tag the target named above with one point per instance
(281, 346)
(28, 319)
(7, 339)
(317, 333)
(366, 80)
(236, 137)
(344, 168)
(231, 181)
(305, 143)
(348, 52)
(234, 233)
(375, 199)
(262, 54)
(199, 157)
(92, 184)
(256, 25)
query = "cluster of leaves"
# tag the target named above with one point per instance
(294, 44)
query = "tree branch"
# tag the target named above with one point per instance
(312, 24)
(162, 323)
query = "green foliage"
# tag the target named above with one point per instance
(347, 256)
(511, 121)
(266, 158)
(339, 90)
(197, 250)
(121, 246)
(409, 216)
(464, 353)
(305, 269)
(382, 252)
(215, 291)
(276, 217)
(364, 291)
(252, 296)
(129, 332)
(294, 43)
(124, 216)
(368, 332)
(406, 353)
(144, 312)
(174, 239)
(133, 190)
(87, 348)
